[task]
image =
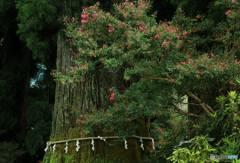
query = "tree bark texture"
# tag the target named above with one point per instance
(85, 98)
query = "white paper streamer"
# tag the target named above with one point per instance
(141, 144)
(101, 138)
(46, 147)
(78, 146)
(54, 147)
(153, 144)
(92, 145)
(125, 141)
(66, 148)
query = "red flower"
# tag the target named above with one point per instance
(183, 63)
(228, 12)
(83, 21)
(164, 43)
(111, 30)
(112, 96)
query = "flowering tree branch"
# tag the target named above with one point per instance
(205, 106)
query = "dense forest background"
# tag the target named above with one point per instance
(28, 52)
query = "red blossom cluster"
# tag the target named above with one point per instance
(112, 95)
(183, 63)
(85, 17)
(111, 29)
(228, 12)
(130, 4)
(164, 43)
(142, 27)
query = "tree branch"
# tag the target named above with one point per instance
(205, 106)
(182, 112)
(165, 79)
(186, 113)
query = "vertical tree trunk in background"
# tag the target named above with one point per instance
(85, 98)
(14, 69)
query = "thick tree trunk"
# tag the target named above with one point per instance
(86, 98)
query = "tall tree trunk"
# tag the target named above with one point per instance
(85, 98)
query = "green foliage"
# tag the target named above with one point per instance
(38, 114)
(192, 8)
(182, 54)
(199, 151)
(7, 101)
(227, 143)
(7, 18)
(37, 21)
(185, 56)
(10, 152)
(151, 51)
(230, 142)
